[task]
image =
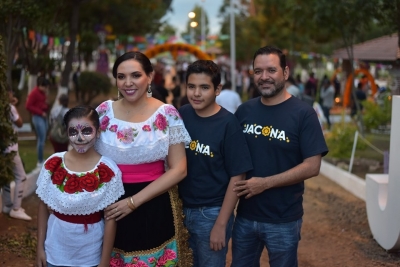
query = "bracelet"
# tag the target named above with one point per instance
(133, 203)
(129, 205)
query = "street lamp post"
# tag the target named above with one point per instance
(233, 46)
(203, 28)
(193, 25)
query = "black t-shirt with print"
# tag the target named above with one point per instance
(218, 151)
(279, 137)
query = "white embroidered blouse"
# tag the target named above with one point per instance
(76, 193)
(142, 142)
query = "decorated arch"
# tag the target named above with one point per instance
(347, 91)
(174, 49)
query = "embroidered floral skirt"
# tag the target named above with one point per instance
(153, 234)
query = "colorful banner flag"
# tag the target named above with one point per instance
(45, 39)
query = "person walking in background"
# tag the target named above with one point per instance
(176, 92)
(361, 96)
(327, 95)
(291, 87)
(13, 206)
(228, 99)
(77, 89)
(77, 186)
(286, 145)
(58, 133)
(310, 88)
(239, 81)
(299, 84)
(217, 157)
(37, 105)
(146, 138)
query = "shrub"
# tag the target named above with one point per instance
(92, 84)
(376, 115)
(340, 140)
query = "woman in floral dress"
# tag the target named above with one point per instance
(146, 139)
(77, 185)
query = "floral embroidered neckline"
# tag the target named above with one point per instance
(126, 133)
(73, 183)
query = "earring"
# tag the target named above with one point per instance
(149, 93)
(119, 95)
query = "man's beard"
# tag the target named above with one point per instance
(269, 93)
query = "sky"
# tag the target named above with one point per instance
(181, 8)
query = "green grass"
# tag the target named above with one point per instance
(27, 151)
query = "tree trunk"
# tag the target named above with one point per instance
(65, 75)
(10, 47)
(71, 48)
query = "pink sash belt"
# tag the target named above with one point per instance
(139, 173)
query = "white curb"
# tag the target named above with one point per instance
(348, 181)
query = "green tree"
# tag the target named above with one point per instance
(7, 135)
(133, 17)
(167, 30)
(349, 18)
(388, 13)
(285, 24)
(92, 84)
(197, 30)
(14, 15)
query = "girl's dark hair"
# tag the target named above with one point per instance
(207, 67)
(143, 60)
(82, 112)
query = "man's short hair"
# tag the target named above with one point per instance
(267, 50)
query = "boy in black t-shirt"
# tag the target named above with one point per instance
(217, 157)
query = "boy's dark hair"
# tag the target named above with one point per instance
(267, 50)
(42, 81)
(82, 112)
(207, 67)
(139, 57)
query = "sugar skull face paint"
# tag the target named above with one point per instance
(82, 134)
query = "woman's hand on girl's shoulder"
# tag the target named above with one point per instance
(118, 210)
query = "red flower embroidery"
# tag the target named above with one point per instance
(53, 164)
(161, 122)
(169, 254)
(58, 176)
(104, 123)
(89, 182)
(72, 184)
(105, 173)
(117, 261)
(146, 128)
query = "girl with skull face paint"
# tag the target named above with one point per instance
(77, 186)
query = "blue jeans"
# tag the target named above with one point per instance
(280, 239)
(40, 124)
(199, 222)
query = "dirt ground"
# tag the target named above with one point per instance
(335, 232)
